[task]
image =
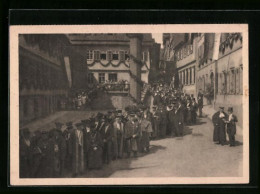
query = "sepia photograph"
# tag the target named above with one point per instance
(129, 104)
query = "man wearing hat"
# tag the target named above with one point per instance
(94, 147)
(25, 152)
(46, 149)
(77, 149)
(157, 99)
(131, 135)
(107, 134)
(231, 126)
(118, 131)
(163, 121)
(155, 122)
(219, 122)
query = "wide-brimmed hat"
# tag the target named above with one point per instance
(230, 109)
(69, 123)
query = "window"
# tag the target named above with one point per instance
(96, 55)
(103, 56)
(126, 55)
(232, 82)
(241, 79)
(109, 55)
(237, 81)
(145, 56)
(89, 55)
(190, 76)
(121, 55)
(90, 78)
(194, 75)
(101, 77)
(187, 77)
(112, 77)
(115, 55)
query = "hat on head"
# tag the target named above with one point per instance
(58, 124)
(131, 114)
(44, 132)
(230, 109)
(78, 124)
(69, 123)
(221, 107)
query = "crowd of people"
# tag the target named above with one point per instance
(82, 99)
(73, 148)
(173, 109)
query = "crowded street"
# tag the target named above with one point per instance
(194, 154)
(134, 122)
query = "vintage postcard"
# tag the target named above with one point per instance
(129, 104)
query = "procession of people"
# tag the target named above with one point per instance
(73, 148)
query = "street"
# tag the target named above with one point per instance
(194, 155)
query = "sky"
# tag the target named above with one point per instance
(157, 37)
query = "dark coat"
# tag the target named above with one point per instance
(231, 125)
(25, 152)
(46, 164)
(157, 100)
(219, 134)
(95, 150)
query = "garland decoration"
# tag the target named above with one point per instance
(229, 42)
(107, 64)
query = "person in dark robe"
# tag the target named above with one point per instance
(194, 108)
(95, 148)
(69, 144)
(25, 152)
(62, 148)
(145, 130)
(157, 99)
(119, 130)
(131, 135)
(219, 119)
(46, 149)
(162, 121)
(77, 150)
(155, 122)
(107, 134)
(36, 153)
(86, 132)
(188, 112)
(53, 134)
(231, 126)
(200, 105)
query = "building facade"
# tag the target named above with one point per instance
(107, 56)
(220, 70)
(42, 80)
(180, 55)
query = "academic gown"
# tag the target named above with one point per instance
(219, 134)
(118, 139)
(95, 150)
(77, 151)
(25, 151)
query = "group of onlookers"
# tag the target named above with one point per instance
(72, 149)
